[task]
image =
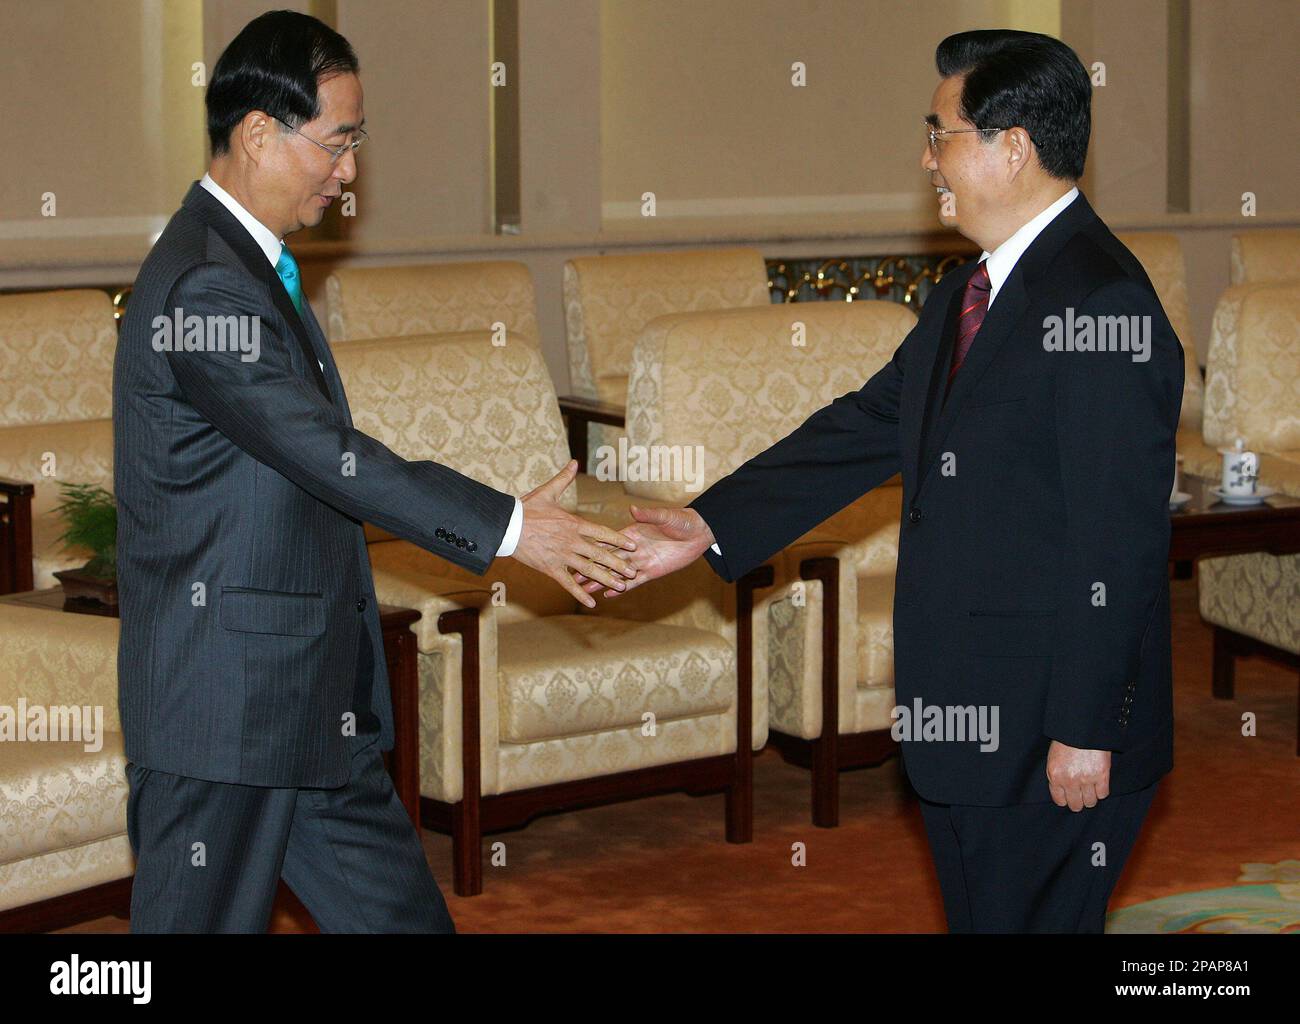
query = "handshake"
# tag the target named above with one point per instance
(583, 557)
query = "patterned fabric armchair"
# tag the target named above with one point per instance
(435, 298)
(1161, 255)
(62, 801)
(734, 383)
(1249, 390)
(1260, 257)
(525, 705)
(1253, 601)
(56, 373)
(609, 299)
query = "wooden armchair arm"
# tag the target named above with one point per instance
(740, 810)
(578, 412)
(468, 873)
(826, 803)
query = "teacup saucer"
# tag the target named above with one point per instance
(1178, 499)
(1261, 493)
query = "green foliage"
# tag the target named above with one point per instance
(91, 516)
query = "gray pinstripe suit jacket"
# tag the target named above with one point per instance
(229, 473)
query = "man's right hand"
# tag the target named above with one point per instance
(667, 539)
(556, 542)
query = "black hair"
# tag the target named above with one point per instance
(1024, 80)
(274, 64)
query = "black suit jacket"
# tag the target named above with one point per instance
(241, 486)
(1043, 478)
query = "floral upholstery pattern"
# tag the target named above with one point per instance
(562, 694)
(56, 357)
(609, 299)
(1259, 257)
(735, 382)
(1161, 255)
(437, 298)
(1254, 393)
(62, 807)
(1257, 595)
(572, 674)
(488, 411)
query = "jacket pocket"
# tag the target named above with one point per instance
(246, 610)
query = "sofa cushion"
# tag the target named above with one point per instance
(1255, 594)
(56, 795)
(569, 674)
(875, 631)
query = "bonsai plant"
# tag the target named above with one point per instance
(90, 513)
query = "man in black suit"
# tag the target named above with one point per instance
(1032, 412)
(252, 681)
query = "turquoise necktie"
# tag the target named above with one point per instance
(287, 267)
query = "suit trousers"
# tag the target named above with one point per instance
(350, 854)
(1032, 867)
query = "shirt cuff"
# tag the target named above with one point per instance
(716, 550)
(516, 527)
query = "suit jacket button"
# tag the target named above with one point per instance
(440, 533)
(361, 605)
(473, 546)
(914, 515)
(450, 538)
(461, 542)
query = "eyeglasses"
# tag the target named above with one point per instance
(937, 133)
(335, 152)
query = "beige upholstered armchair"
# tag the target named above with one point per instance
(734, 382)
(1253, 601)
(56, 372)
(432, 298)
(527, 706)
(1262, 257)
(1161, 255)
(1247, 385)
(609, 299)
(64, 854)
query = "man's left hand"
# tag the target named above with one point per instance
(1077, 777)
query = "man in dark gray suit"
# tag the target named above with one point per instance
(251, 669)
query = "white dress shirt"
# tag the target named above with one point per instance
(1002, 260)
(272, 247)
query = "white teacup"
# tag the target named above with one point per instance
(1240, 471)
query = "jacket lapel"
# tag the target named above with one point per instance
(326, 355)
(250, 254)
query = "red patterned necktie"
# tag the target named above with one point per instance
(974, 304)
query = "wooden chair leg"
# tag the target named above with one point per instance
(466, 829)
(740, 800)
(825, 781)
(1222, 672)
(467, 849)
